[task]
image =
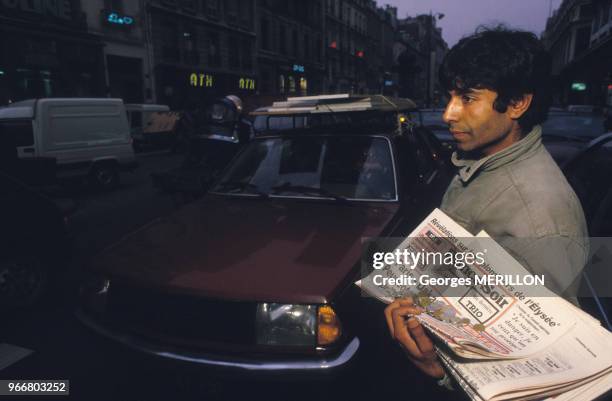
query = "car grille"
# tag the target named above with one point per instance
(181, 316)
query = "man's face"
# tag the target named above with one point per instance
(475, 124)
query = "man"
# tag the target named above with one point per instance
(507, 183)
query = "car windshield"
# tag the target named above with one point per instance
(337, 167)
(586, 126)
(433, 119)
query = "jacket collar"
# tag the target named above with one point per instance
(519, 150)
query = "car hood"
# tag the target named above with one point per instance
(274, 250)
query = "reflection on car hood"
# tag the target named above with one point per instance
(249, 249)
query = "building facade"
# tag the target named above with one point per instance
(567, 36)
(290, 57)
(600, 52)
(46, 50)
(420, 51)
(202, 49)
(122, 26)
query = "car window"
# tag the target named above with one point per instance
(433, 119)
(280, 123)
(353, 167)
(588, 125)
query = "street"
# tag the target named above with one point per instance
(62, 347)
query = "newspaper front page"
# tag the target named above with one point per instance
(476, 321)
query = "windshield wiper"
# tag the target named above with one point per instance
(239, 185)
(306, 190)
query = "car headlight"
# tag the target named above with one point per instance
(296, 325)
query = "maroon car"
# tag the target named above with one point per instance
(257, 276)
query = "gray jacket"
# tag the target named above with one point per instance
(520, 197)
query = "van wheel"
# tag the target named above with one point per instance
(105, 177)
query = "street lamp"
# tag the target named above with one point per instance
(431, 54)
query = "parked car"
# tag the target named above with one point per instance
(88, 138)
(565, 134)
(257, 276)
(589, 173)
(34, 245)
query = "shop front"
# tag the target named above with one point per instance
(187, 89)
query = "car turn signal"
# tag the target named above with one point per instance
(329, 329)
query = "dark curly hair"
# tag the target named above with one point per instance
(509, 62)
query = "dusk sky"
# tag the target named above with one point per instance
(461, 17)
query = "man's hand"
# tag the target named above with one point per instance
(412, 337)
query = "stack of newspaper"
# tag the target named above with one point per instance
(499, 340)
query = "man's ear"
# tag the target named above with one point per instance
(518, 107)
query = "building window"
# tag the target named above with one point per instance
(247, 55)
(211, 7)
(295, 43)
(245, 11)
(114, 5)
(234, 52)
(282, 40)
(190, 49)
(214, 55)
(170, 45)
(189, 5)
(306, 46)
(265, 33)
(231, 10)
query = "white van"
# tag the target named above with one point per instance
(87, 137)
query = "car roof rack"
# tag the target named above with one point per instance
(339, 103)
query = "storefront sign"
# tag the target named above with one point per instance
(201, 80)
(246, 83)
(55, 8)
(298, 68)
(113, 18)
(578, 86)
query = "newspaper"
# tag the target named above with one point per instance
(499, 343)
(580, 362)
(478, 321)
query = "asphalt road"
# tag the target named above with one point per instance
(62, 347)
(99, 369)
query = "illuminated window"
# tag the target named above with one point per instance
(281, 83)
(303, 85)
(291, 84)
